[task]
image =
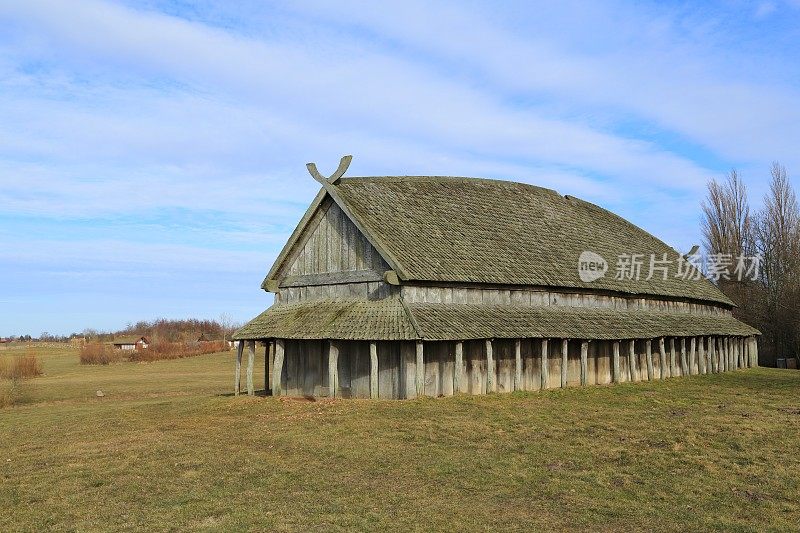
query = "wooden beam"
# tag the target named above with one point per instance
(692, 355)
(584, 361)
(267, 353)
(459, 370)
(373, 370)
(238, 378)
(251, 356)
(740, 348)
(419, 370)
(518, 364)
(491, 385)
(662, 359)
(330, 278)
(633, 375)
(755, 351)
(673, 363)
(545, 367)
(615, 377)
(564, 362)
(701, 356)
(333, 368)
(684, 362)
(648, 346)
(277, 371)
(711, 364)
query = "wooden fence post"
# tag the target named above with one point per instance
(545, 370)
(490, 368)
(648, 345)
(518, 364)
(419, 380)
(633, 373)
(662, 359)
(615, 363)
(564, 362)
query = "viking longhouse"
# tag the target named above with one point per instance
(400, 287)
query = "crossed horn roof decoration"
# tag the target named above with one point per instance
(333, 178)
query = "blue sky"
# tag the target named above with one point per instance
(152, 153)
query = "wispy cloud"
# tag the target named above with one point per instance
(148, 118)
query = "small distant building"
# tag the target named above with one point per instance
(133, 342)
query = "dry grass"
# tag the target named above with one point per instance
(165, 449)
(164, 351)
(20, 367)
(97, 353)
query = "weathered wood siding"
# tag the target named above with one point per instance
(375, 290)
(331, 243)
(305, 367)
(534, 297)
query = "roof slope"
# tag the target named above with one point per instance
(391, 319)
(488, 231)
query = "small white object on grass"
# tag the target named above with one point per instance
(100, 394)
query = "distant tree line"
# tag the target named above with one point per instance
(771, 301)
(158, 330)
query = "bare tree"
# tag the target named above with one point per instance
(727, 226)
(778, 241)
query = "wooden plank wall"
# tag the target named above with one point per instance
(305, 369)
(536, 297)
(331, 243)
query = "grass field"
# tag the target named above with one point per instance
(167, 448)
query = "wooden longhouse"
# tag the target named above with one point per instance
(400, 287)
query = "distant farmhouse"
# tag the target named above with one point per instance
(131, 342)
(400, 287)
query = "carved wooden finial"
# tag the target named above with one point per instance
(333, 178)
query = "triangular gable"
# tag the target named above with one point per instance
(326, 240)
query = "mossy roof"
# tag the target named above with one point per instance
(392, 319)
(470, 230)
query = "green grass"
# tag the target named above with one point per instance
(166, 448)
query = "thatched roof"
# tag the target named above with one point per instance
(472, 230)
(392, 319)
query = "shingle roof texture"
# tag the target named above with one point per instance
(488, 231)
(391, 319)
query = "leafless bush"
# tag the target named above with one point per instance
(97, 353)
(20, 367)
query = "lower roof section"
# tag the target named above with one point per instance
(392, 319)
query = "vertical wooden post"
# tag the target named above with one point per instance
(615, 363)
(720, 356)
(633, 374)
(711, 365)
(267, 351)
(238, 378)
(564, 362)
(518, 364)
(373, 370)
(545, 370)
(333, 368)
(419, 380)
(251, 356)
(490, 368)
(726, 354)
(662, 358)
(701, 356)
(584, 361)
(648, 346)
(684, 363)
(740, 347)
(755, 351)
(692, 355)
(459, 370)
(673, 364)
(277, 369)
(746, 345)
